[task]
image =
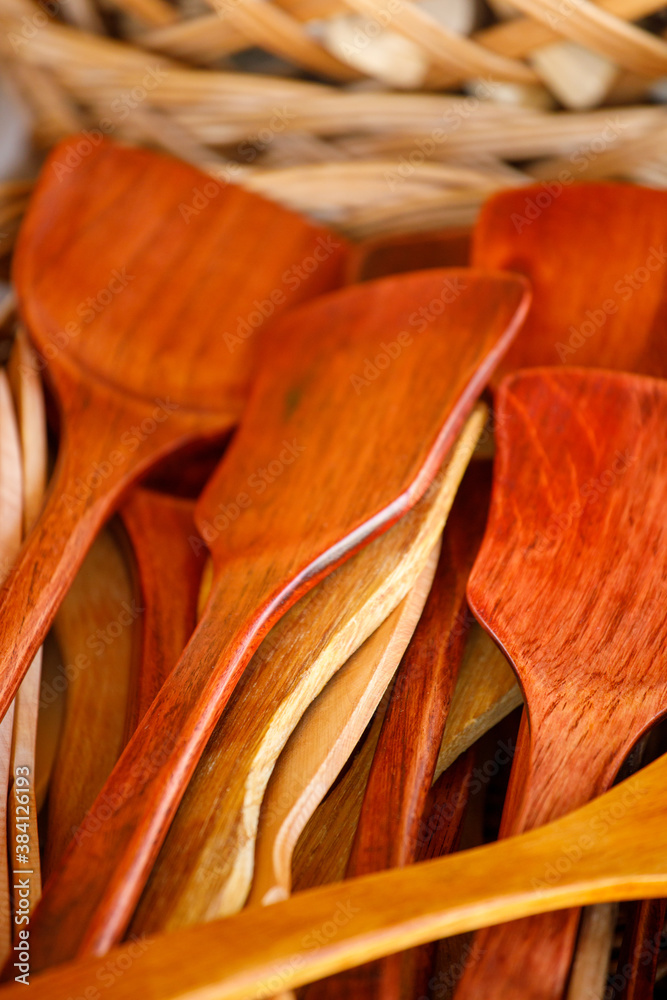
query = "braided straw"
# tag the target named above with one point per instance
(332, 134)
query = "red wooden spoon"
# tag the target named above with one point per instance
(143, 311)
(170, 560)
(404, 763)
(352, 413)
(570, 582)
(595, 256)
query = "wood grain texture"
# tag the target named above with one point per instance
(98, 629)
(569, 582)
(324, 847)
(28, 396)
(588, 978)
(140, 363)
(376, 258)
(407, 752)
(205, 867)
(324, 739)
(273, 545)
(486, 691)
(606, 241)
(170, 560)
(264, 949)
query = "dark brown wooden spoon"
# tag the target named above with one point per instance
(352, 413)
(142, 283)
(570, 582)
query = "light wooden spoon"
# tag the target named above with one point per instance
(613, 848)
(324, 739)
(569, 583)
(143, 312)
(270, 546)
(28, 397)
(407, 752)
(205, 867)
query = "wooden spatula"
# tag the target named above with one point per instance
(613, 848)
(281, 511)
(324, 739)
(606, 240)
(205, 867)
(569, 583)
(170, 560)
(407, 752)
(98, 628)
(142, 283)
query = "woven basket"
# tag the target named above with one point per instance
(378, 116)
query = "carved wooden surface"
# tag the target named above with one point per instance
(205, 867)
(269, 547)
(264, 949)
(141, 363)
(170, 560)
(569, 581)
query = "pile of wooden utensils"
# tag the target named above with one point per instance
(275, 694)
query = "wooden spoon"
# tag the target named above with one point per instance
(170, 560)
(324, 739)
(28, 398)
(205, 867)
(613, 848)
(149, 344)
(607, 240)
(269, 545)
(569, 583)
(404, 763)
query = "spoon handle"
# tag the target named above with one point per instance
(531, 958)
(88, 902)
(92, 471)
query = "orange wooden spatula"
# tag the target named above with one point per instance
(605, 241)
(144, 314)
(352, 413)
(570, 582)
